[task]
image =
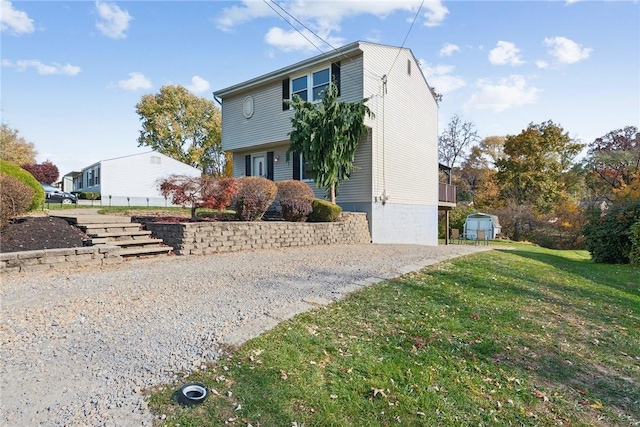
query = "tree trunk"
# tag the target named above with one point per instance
(193, 212)
(332, 194)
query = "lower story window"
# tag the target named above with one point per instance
(305, 169)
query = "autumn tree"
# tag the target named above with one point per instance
(492, 149)
(14, 148)
(183, 126)
(46, 172)
(534, 161)
(614, 159)
(327, 135)
(455, 139)
(204, 191)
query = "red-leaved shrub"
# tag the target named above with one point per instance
(254, 196)
(45, 172)
(295, 210)
(199, 192)
(15, 198)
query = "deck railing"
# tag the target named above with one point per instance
(447, 193)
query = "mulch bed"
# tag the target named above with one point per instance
(40, 232)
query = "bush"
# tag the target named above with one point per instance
(45, 172)
(198, 191)
(295, 210)
(254, 196)
(88, 195)
(608, 237)
(634, 237)
(15, 198)
(324, 211)
(15, 171)
(294, 189)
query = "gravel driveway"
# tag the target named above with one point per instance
(78, 347)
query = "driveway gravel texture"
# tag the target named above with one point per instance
(79, 347)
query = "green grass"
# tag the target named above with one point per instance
(526, 336)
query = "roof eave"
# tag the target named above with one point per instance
(291, 69)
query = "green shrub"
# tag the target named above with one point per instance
(634, 237)
(15, 171)
(295, 210)
(324, 211)
(294, 189)
(254, 196)
(607, 236)
(89, 195)
(15, 198)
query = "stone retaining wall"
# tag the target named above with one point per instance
(18, 262)
(201, 238)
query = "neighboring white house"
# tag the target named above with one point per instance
(128, 180)
(397, 181)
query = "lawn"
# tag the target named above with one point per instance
(523, 336)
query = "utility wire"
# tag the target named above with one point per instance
(312, 32)
(405, 37)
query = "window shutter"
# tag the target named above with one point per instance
(247, 165)
(270, 165)
(296, 165)
(335, 74)
(285, 94)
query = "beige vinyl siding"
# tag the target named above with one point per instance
(404, 145)
(269, 123)
(358, 187)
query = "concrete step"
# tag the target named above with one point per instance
(122, 234)
(92, 219)
(136, 242)
(151, 250)
(109, 228)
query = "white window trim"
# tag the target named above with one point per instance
(310, 84)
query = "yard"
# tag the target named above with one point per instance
(515, 336)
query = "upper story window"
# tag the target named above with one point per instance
(311, 86)
(299, 87)
(155, 160)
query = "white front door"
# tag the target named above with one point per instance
(259, 166)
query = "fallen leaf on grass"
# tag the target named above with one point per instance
(283, 375)
(541, 395)
(596, 405)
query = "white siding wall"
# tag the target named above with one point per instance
(136, 177)
(405, 153)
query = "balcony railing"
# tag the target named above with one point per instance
(447, 193)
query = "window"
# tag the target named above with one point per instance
(409, 66)
(311, 86)
(321, 80)
(305, 169)
(96, 178)
(90, 178)
(299, 87)
(155, 160)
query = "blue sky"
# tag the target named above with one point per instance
(72, 72)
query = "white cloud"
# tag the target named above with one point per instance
(15, 21)
(448, 49)
(114, 21)
(508, 93)
(542, 64)
(321, 17)
(505, 53)
(198, 85)
(136, 81)
(568, 2)
(43, 69)
(289, 41)
(441, 79)
(566, 51)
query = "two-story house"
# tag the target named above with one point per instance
(396, 184)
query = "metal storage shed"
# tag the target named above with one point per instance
(481, 221)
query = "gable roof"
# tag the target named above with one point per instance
(345, 52)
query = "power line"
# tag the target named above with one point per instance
(407, 36)
(312, 32)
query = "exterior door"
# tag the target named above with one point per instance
(259, 166)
